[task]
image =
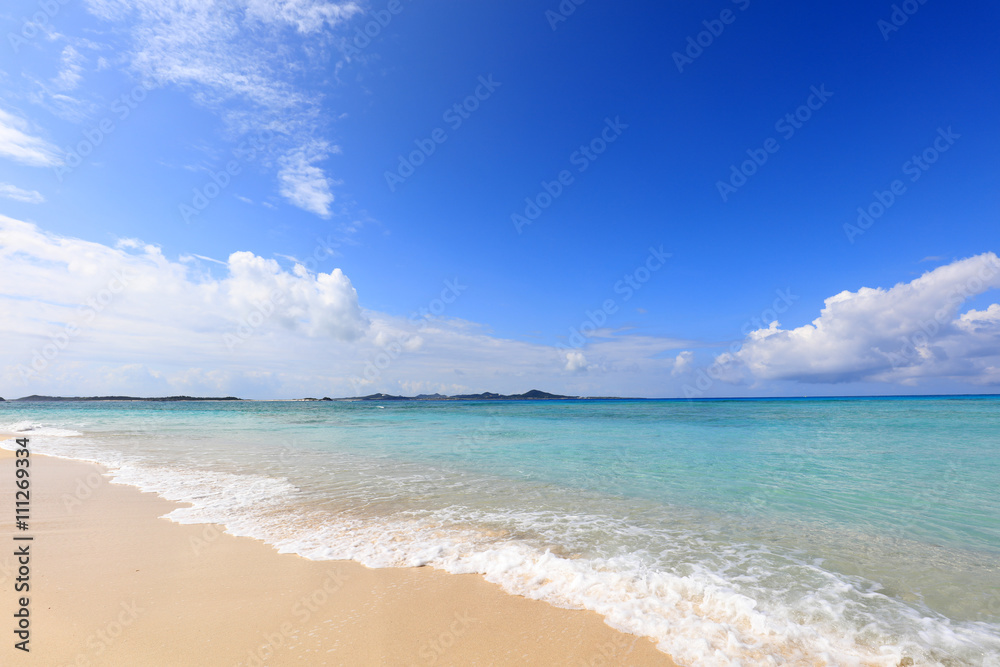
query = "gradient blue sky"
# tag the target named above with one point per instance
(203, 79)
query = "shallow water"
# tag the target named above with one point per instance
(805, 532)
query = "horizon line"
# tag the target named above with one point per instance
(556, 397)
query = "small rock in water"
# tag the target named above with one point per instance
(906, 662)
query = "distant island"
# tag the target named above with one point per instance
(533, 395)
(35, 397)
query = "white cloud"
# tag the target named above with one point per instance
(901, 334)
(235, 59)
(307, 16)
(263, 329)
(319, 305)
(17, 194)
(69, 76)
(125, 318)
(54, 94)
(303, 183)
(576, 362)
(202, 46)
(682, 363)
(130, 305)
(981, 321)
(16, 144)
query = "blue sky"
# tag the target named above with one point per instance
(227, 143)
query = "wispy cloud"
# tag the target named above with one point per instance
(302, 182)
(307, 16)
(209, 259)
(61, 93)
(17, 194)
(17, 144)
(239, 60)
(70, 74)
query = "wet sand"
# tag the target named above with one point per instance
(111, 583)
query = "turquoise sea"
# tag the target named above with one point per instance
(733, 532)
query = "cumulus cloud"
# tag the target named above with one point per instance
(17, 194)
(576, 362)
(166, 294)
(682, 363)
(904, 333)
(69, 303)
(323, 305)
(125, 318)
(85, 317)
(981, 322)
(16, 143)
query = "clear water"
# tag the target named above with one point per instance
(786, 532)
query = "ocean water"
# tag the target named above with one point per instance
(742, 532)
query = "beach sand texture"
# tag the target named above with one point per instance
(113, 584)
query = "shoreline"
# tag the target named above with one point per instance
(113, 583)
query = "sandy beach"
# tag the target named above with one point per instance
(111, 583)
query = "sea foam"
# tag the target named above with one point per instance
(704, 598)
